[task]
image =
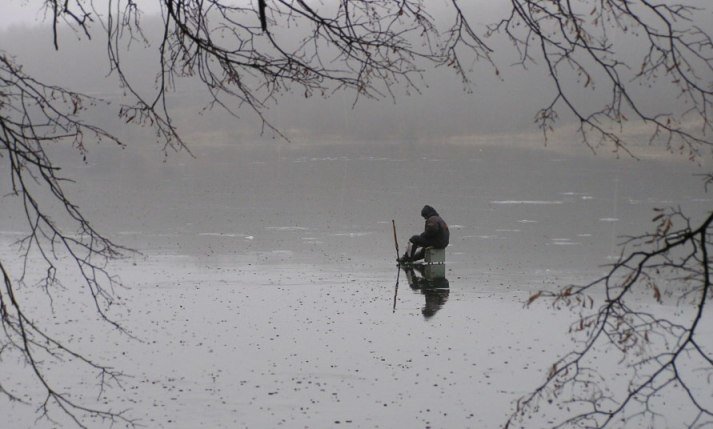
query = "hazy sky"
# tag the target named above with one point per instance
(18, 12)
(28, 12)
(502, 105)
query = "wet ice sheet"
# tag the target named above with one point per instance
(231, 345)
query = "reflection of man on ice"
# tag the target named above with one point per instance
(435, 289)
(435, 235)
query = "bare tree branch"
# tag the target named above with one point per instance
(246, 55)
(584, 47)
(649, 342)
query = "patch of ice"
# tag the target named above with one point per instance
(608, 219)
(171, 256)
(375, 158)
(286, 228)
(323, 158)
(534, 202)
(12, 233)
(526, 221)
(351, 234)
(224, 234)
(563, 242)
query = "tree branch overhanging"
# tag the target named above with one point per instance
(370, 48)
(652, 344)
(583, 46)
(33, 115)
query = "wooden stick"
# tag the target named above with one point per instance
(396, 241)
(398, 272)
(396, 288)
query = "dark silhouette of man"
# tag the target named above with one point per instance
(435, 235)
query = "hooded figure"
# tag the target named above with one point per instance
(435, 234)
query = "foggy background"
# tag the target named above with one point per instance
(495, 108)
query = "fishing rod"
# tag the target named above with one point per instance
(398, 272)
(396, 241)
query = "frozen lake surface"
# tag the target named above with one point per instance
(264, 294)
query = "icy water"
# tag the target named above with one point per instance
(266, 295)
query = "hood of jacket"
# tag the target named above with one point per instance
(428, 211)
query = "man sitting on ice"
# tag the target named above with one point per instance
(435, 235)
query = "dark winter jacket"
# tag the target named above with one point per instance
(435, 232)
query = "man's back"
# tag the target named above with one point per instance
(436, 231)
